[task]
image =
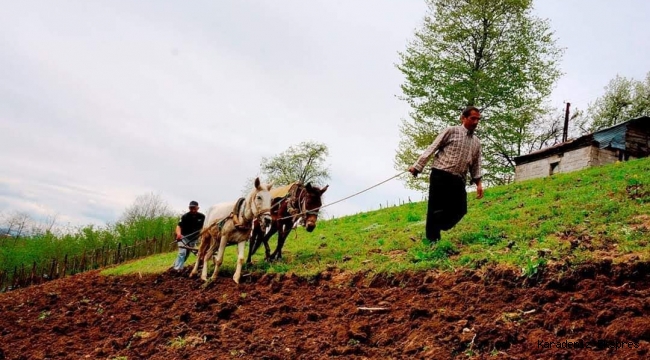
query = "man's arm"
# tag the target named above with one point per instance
(440, 142)
(475, 172)
(178, 228)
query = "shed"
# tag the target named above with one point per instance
(621, 142)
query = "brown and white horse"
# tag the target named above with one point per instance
(301, 202)
(231, 223)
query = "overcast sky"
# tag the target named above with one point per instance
(101, 101)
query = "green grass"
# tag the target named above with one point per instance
(150, 265)
(580, 216)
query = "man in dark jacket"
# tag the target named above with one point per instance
(187, 233)
(458, 152)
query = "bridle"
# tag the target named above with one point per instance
(302, 206)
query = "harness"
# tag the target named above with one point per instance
(233, 215)
(297, 202)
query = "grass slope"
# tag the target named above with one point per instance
(591, 214)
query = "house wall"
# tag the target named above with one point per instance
(569, 161)
(603, 156)
(637, 140)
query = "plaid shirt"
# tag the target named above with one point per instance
(459, 151)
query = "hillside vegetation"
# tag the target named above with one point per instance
(573, 218)
(42, 248)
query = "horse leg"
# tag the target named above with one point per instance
(200, 255)
(195, 270)
(267, 237)
(254, 244)
(282, 236)
(281, 241)
(240, 260)
(207, 256)
(222, 249)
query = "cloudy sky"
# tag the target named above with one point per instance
(103, 101)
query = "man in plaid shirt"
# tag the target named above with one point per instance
(458, 151)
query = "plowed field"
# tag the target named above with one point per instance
(496, 313)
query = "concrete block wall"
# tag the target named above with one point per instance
(569, 161)
(575, 159)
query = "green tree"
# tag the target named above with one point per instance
(624, 99)
(493, 54)
(304, 162)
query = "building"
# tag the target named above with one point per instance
(628, 140)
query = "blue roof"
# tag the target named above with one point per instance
(613, 137)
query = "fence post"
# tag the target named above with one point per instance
(31, 278)
(22, 275)
(84, 261)
(119, 248)
(15, 278)
(51, 275)
(65, 265)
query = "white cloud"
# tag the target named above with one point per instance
(105, 101)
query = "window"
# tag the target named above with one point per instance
(554, 166)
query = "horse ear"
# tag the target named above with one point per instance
(270, 186)
(308, 186)
(324, 189)
(257, 183)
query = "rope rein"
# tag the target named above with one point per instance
(345, 198)
(318, 208)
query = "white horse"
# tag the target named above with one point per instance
(229, 224)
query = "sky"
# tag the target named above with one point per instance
(103, 101)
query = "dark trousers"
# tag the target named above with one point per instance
(447, 202)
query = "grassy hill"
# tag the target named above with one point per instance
(569, 219)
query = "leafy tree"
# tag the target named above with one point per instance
(624, 99)
(304, 162)
(492, 54)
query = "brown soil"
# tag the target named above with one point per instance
(486, 314)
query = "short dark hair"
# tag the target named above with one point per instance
(468, 111)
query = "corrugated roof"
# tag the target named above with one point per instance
(613, 137)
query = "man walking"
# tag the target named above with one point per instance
(187, 233)
(458, 151)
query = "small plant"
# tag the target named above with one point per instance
(179, 342)
(532, 267)
(412, 217)
(442, 250)
(43, 315)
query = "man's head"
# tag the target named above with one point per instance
(470, 117)
(194, 206)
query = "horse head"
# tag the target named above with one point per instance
(259, 201)
(310, 203)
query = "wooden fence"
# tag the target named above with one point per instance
(32, 274)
